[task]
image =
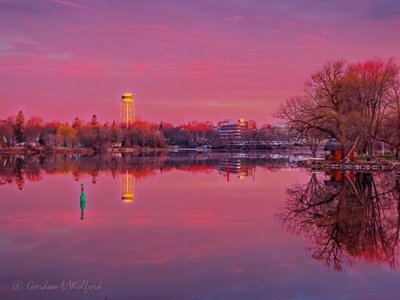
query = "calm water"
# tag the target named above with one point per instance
(195, 227)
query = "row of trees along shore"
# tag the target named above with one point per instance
(33, 133)
(358, 104)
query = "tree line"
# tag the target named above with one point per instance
(34, 132)
(358, 104)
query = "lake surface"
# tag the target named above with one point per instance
(193, 226)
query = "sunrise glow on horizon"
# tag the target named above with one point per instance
(183, 60)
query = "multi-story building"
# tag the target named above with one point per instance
(235, 131)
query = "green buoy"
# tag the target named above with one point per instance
(82, 202)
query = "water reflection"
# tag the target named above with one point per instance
(185, 216)
(236, 166)
(127, 187)
(347, 217)
(20, 169)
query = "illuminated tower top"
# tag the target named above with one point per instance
(127, 98)
(127, 108)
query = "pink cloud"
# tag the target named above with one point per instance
(146, 27)
(71, 4)
(56, 65)
(235, 18)
(179, 55)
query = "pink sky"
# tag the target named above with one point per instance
(183, 60)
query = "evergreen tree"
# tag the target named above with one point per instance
(19, 128)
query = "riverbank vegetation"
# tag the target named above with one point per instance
(357, 104)
(18, 134)
(34, 133)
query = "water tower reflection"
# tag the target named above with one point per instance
(127, 187)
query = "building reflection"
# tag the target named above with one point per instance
(127, 187)
(239, 167)
(20, 170)
(347, 217)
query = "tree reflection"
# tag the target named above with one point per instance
(21, 169)
(350, 216)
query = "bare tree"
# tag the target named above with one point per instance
(390, 131)
(370, 84)
(347, 102)
(33, 128)
(313, 139)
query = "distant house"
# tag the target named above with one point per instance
(334, 147)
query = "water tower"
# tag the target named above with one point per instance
(127, 109)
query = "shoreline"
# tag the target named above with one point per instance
(68, 150)
(313, 163)
(90, 151)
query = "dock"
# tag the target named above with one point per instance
(375, 166)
